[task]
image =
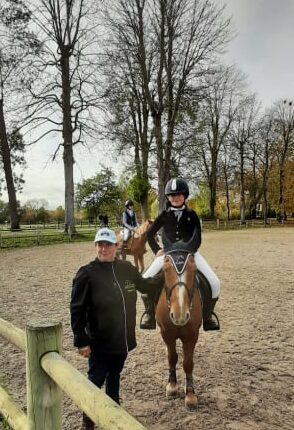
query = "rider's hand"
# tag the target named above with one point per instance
(160, 252)
(85, 351)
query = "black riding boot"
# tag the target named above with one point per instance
(148, 318)
(210, 319)
(87, 423)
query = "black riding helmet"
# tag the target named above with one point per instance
(176, 186)
(129, 203)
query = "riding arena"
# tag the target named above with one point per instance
(243, 374)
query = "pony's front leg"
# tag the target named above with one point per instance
(172, 387)
(190, 398)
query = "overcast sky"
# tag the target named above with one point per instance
(263, 49)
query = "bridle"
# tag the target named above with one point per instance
(179, 283)
(191, 292)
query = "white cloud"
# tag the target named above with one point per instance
(263, 46)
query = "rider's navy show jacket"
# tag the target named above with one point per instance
(177, 226)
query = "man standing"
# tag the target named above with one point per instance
(103, 313)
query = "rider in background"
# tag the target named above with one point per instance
(103, 220)
(179, 223)
(129, 222)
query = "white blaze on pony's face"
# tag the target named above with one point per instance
(180, 289)
(184, 313)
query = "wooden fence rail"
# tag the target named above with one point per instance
(48, 374)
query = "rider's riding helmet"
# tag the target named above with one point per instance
(176, 186)
(129, 203)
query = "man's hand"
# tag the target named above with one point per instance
(85, 351)
(159, 252)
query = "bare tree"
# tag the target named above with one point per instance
(283, 123)
(227, 167)
(17, 45)
(242, 134)
(222, 97)
(266, 141)
(127, 111)
(173, 42)
(64, 93)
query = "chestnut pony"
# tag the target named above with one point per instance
(179, 315)
(135, 245)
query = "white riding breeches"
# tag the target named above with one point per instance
(126, 234)
(201, 265)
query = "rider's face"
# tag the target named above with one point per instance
(176, 200)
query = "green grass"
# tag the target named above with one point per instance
(29, 238)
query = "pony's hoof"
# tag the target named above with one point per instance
(171, 390)
(191, 402)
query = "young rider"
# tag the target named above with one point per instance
(179, 223)
(129, 222)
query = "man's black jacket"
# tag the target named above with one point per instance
(103, 305)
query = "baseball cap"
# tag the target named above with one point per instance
(105, 235)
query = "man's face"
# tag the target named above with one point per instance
(105, 251)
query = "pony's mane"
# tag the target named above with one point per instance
(143, 227)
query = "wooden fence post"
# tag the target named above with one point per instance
(37, 233)
(43, 394)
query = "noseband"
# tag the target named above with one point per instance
(179, 270)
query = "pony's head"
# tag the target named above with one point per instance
(179, 275)
(144, 227)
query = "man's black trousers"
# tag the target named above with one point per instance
(106, 368)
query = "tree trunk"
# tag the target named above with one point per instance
(265, 204)
(264, 193)
(144, 209)
(212, 188)
(160, 161)
(242, 190)
(5, 151)
(227, 196)
(68, 159)
(281, 191)
(212, 198)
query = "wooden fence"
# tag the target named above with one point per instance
(44, 235)
(48, 374)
